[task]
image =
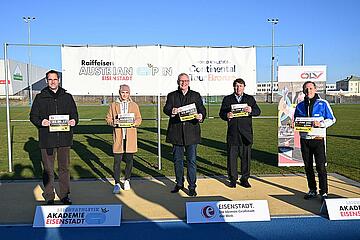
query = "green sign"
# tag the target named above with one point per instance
(18, 77)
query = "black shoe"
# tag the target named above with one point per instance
(232, 184)
(192, 192)
(177, 188)
(66, 201)
(245, 184)
(50, 202)
(311, 194)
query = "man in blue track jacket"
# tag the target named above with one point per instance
(312, 143)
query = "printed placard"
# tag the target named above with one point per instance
(227, 211)
(59, 123)
(238, 110)
(187, 112)
(306, 124)
(125, 120)
(77, 216)
(343, 208)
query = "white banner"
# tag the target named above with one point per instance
(227, 211)
(291, 79)
(302, 73)
(77, 216)
(343, 208)
(153, 70)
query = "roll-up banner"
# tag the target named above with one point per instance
(153, 70)
(290, 81)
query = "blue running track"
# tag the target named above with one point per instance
(294, 228)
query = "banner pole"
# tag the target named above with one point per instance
(159, 130)
(7, 107)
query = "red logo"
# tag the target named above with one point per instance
(311, 75)
(4, 82)
(208, 212)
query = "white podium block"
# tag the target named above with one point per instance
(342, 208)
(227, 211)
(77, 216)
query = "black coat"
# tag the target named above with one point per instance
(48, 103)
(188, 132)
(240, 126)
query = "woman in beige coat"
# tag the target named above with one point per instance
(125, 139)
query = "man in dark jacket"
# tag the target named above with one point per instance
(184, 134)
(239, 132)
(54, 102)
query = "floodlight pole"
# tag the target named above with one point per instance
(273, 22)
(28, 21)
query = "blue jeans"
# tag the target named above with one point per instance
(178, 154)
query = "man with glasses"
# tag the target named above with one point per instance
(54, 113)
(184, 134)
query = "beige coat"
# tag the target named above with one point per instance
(131, 133)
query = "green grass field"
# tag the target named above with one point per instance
(91, 155)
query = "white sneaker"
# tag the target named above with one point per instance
(127, 185)
(117, 188)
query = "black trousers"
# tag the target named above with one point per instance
(315, 148)
(244, 152)
(129, 158)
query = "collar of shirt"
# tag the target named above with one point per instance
(238, 98)
(124, 107)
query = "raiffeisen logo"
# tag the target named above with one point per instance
(208, 212)
(311, 74)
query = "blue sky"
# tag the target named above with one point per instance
(330, 30)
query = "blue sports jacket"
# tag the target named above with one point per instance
(321, 108)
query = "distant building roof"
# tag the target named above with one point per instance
(351, 78)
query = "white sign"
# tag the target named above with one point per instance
(77, 216)
(227, 211)
(153, 70)
(238, 110)
(290, 81)
(125, 120)
(187, 112)
(306, 124)
(302, 73)
(343, 208)
(59, 123)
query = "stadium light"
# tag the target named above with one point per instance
(273, 22)
(28, 21)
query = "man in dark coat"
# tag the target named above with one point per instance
(184, 134)
(239, 132)
(54, 101)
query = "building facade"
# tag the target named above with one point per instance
(263, 88)
(351, 85)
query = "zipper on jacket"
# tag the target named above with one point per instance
(56, 112)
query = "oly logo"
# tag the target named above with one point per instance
(311, 75)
